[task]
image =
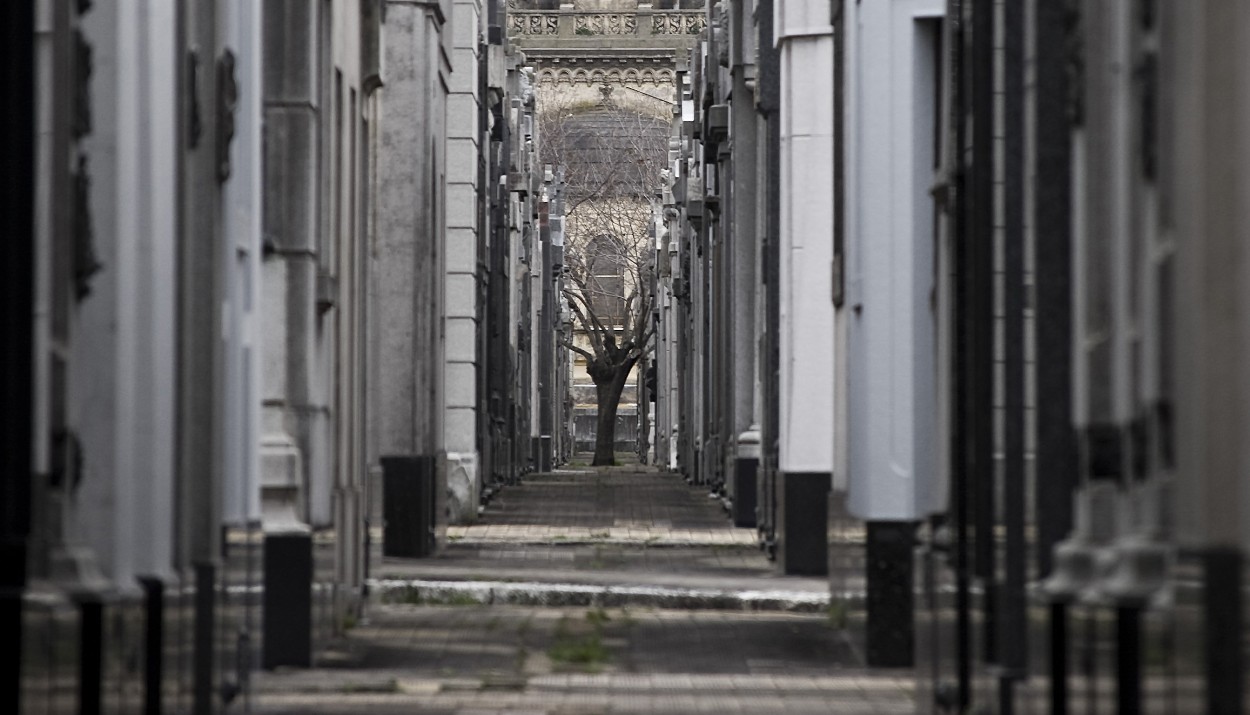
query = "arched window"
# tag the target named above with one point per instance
(605, 263)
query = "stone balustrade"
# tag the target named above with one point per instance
(572, 24)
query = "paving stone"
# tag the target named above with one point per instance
(592, 543)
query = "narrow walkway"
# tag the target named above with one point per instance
(476, 660)
(603, 537)
(593, 591)
(634, 505)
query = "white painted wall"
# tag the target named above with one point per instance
(891, 378)
(805, 43)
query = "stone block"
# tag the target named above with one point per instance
(461, 296)
(462, 204)
(461, 250)
(466, 27)
(462, 114)
(461, 343)
(460, 429)
(460, 388)
(464, 73)
(462, 156)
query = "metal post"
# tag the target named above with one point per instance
(17, 270)
(1056, 463)
(960, 496)
(1013, 633)
(980, 322)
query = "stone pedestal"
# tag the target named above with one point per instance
(288, 557)
(288, 599)
(803, 522)
(891, 632)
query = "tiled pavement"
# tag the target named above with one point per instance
(577, 529)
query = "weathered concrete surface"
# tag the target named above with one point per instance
(608, 536)
(597, 591)
(461, 659)
(546, 593)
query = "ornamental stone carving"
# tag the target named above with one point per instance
(533, 23)
(678, 23)
(606, 24)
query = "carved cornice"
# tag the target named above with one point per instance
(630, 47)
(642, 23)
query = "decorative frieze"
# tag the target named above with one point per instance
(533, 23)
(606, 24)
(572, 24)
(678, 23)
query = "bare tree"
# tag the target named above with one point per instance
(612, 156)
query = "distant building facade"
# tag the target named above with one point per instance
(594, 59)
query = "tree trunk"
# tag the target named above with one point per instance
(608, 397)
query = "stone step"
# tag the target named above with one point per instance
(520, 593)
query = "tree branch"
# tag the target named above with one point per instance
(582, 351)
(613, 158)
